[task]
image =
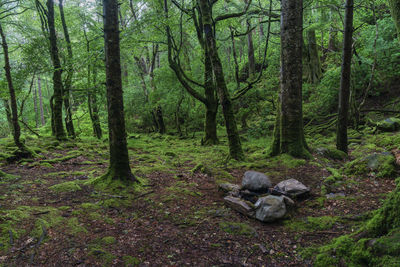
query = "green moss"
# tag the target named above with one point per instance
(237, 228)
(131, 261)
(90, 206)
(104, 256)
(5, 177)
(108, 240)
(287, 161)
(71, 186)
(382, 164)
(74, 227)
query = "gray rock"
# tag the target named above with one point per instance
(256, 181)
(227, 187)
(240, 205)
(389, 125)
(270, 208)
(288, 201)
(291, 187)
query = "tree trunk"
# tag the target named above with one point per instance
(345, 79)
(235, 146)
(314, 62)
(250, 48)
(395, 12)
(13, 101)
(41, 102)
(288, 132)
(119, 168)
(8, 115)
(68, 81)
(57, 71)
(35, 107)
(210, 126)
(160, 120)
(93, 107)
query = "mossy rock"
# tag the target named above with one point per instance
(381, 163)
(331, 153)
(388, 125)
(66, 187)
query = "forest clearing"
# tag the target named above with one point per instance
(200, 133)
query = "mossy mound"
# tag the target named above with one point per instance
(66, 187)
(380, 242)
(237, 228)
(380, 163)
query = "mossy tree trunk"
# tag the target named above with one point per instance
(235, 146)
(210, 126)
(250, 48)
(69, 125)
(57, 120)
(119, 168)
(345, 80)
(14, 111)
(314, 62)
(41, 101)
(288, 133)
(395, 12)
(209, 99)
(8, 114)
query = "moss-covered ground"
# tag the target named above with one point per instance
(52, 214)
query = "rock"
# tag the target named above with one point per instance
(227, 187)
(334, 195)
(288, 201)
(389, 125)
(396, 153)
(291, 187)
(240, 205)
(270, 208)
(256, 181)
(331, 153)
(382, 164)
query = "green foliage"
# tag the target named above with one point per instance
(236, 228)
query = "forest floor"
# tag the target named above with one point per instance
(51, 215)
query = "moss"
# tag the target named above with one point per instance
(287, 161)
(7, 177)
(237, 228)
(90, 206)
(62, 159)
(131, 261)
(71, 186)
(74, 227)
(104, 256)
(382, 164)
(108, 240)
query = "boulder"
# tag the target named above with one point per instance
(228, 187)
(270, 208)
(389, 125)
(256, 181)
(240, 205)
(291, 188)
(382, 164)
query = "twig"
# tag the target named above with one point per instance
(142, 195)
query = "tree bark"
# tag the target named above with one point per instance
(288, 133)
(68, 81)
(8, 114)
(41, 102)
(119, 168)
(250, 48)
(35, 107)
(314, 62)
(235, 146)
(13, 101)
(57, 72)
(395, 12)
(345, 79)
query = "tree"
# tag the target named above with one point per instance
(22, 151)
(345, 79)
(68, 80)
(288, 132)
(235, 146)
(395, 11)
(56, 102)
(119, 168)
